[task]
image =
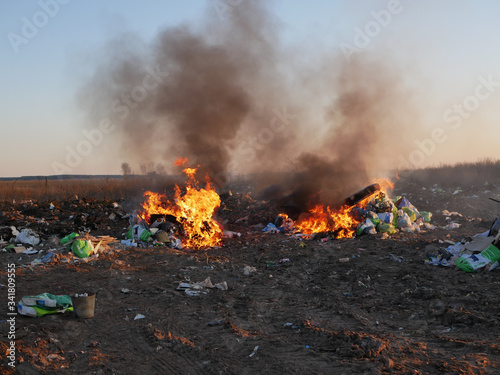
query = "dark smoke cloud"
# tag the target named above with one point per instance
(188, 93)
(204, 91)
(370, 120)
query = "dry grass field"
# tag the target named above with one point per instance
(463, 174)
(98, 188)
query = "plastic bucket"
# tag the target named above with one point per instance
(84, 306)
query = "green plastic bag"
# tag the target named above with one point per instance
(395, 214)
(69, 238)
(492, 253)
(44, 304)
(410, 213)
(426, 215)
(386, 228)
(82, 248)
(138, 232)
(471, 263)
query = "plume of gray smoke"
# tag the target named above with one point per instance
(199, 91)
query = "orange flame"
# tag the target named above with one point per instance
(385, 184)
(324, 219)
(181, 162)
(340, 221)
(194, 210)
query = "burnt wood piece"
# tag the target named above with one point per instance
(362, 194)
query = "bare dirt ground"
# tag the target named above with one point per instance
(302, 311)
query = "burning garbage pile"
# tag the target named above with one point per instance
(187, 221)
(369, 211)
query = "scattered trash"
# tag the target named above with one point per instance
(230, 234)
(129, 243)
(438, 256)
(367, 228)
(386, 217)
(139, 316)
(216, 322)
(384, 227)
(139, 232)
(195, 293)
(429, 226)
(47, 258)
(495, 228)
(471, 263)
(82, 248)
(271, 228)
(247, 270)
(28, 237)
(403, 219)
(344, 260)
(70, 237)
(19, 249)
(451, 226)
(222, 285)
(44, 304)
(242, 220)
(478, 252)
(448, 213)
(207, 283)
(254, 351)
(295, 327)
(196, 289)
(426, 216)
(162, 236)
(479, 243)
(396, 258)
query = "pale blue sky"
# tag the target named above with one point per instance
(448, 43)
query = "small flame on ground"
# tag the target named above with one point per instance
(340, 221)
(322, 218)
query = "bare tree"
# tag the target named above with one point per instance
(126, 170)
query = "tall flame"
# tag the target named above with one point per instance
(194, 210)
